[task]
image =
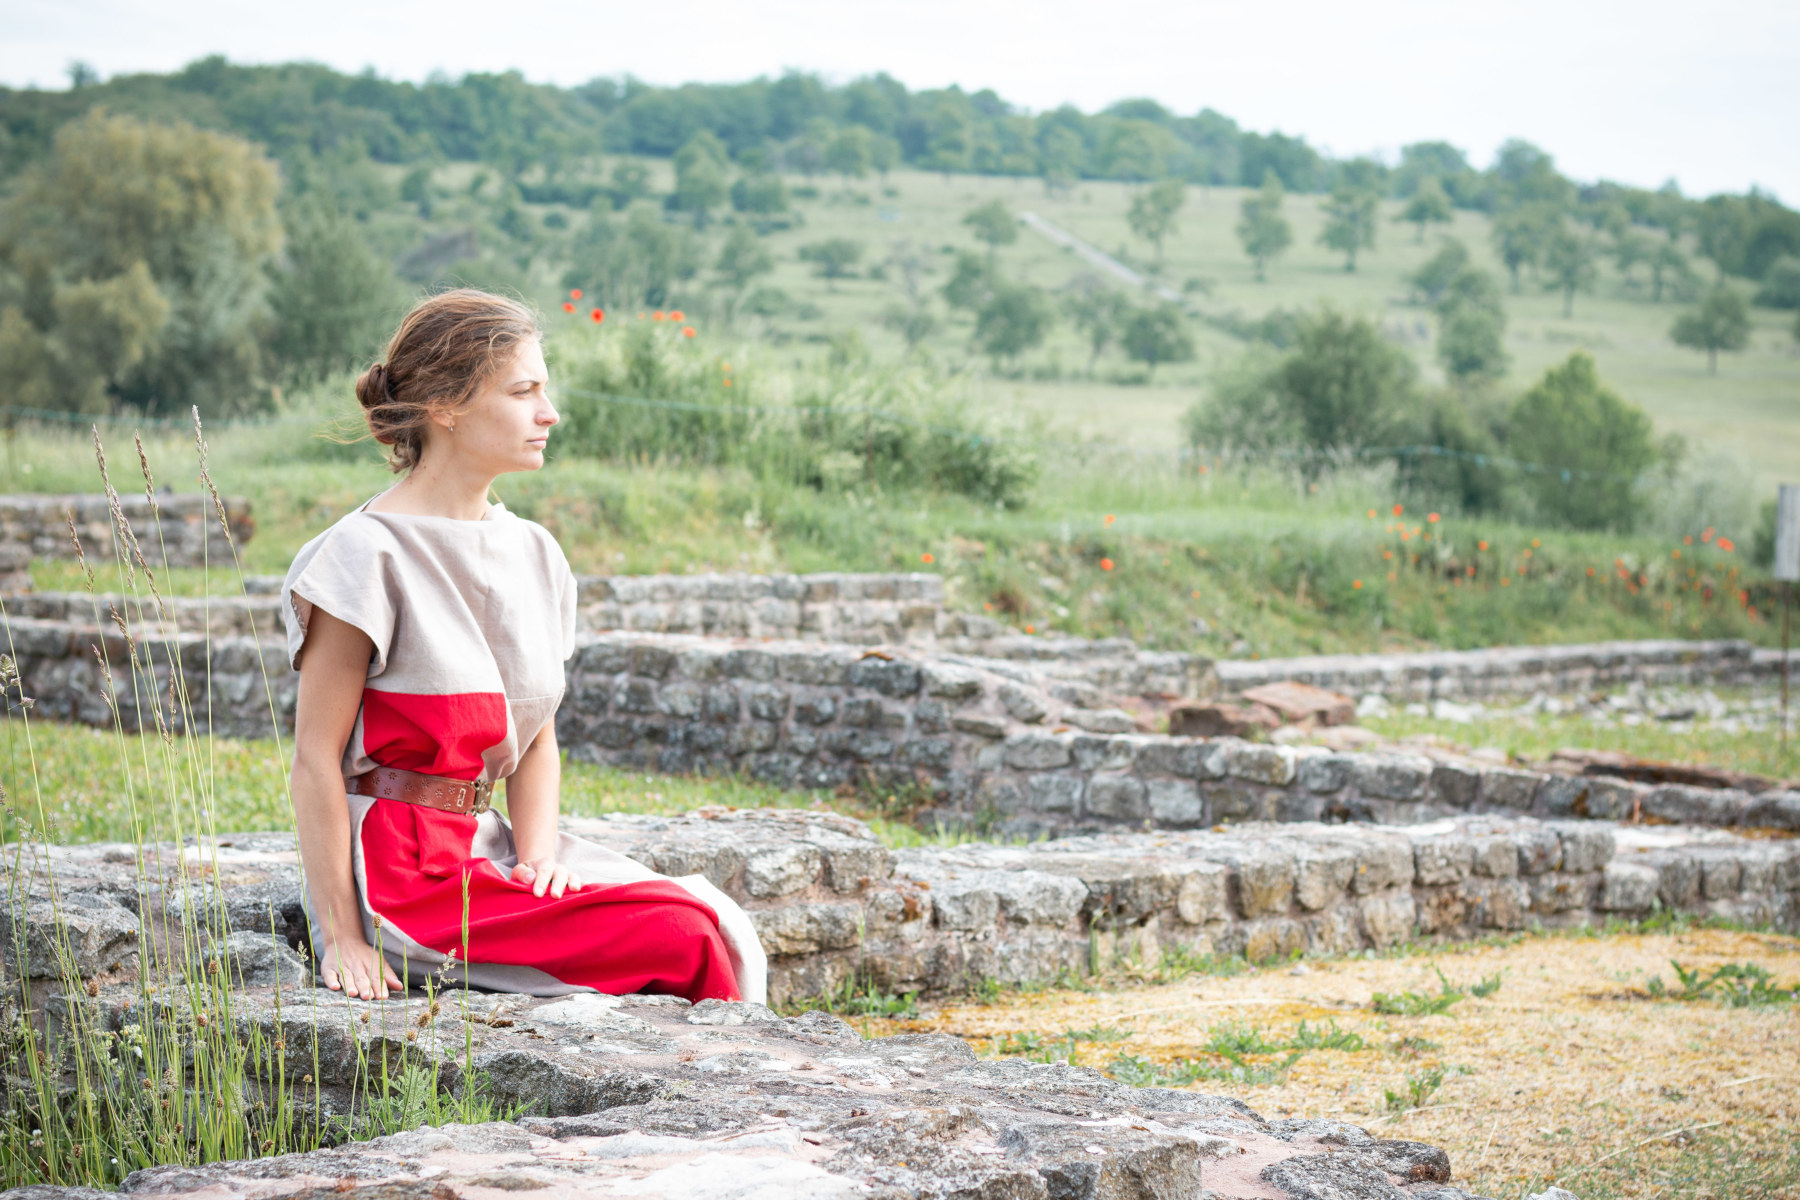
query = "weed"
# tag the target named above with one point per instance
(1738, 985)
(1412, 1047)
(1419, 1088)
(1332, 1038)
(1488, 986)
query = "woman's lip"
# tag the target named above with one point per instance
(538, 442)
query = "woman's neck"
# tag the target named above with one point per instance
(438, 492)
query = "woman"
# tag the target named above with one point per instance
(429, 627)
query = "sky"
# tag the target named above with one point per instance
(1636, 92)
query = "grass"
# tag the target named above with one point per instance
(1569, 1073)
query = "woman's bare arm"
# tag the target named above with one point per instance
(333, 671)
(533, 795)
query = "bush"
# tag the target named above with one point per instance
(651, 396)
(1591, 447)
(1781, 286)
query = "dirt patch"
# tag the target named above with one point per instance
(1572, 1070)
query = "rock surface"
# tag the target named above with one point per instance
(641, 1096)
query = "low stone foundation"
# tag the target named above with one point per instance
(184, 528)
(831, 904)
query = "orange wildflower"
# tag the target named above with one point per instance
(927, 558)
(574, 293)
(1398, 509)
(1726, 545)
(1106, 564)
(1031, 629)
(1431, 518)
(687, 331)
(1357, 584)
(677, 315)
(1371, 514)
(597, 316)
(1481, 545)
(568, 306)
(659, 315)
(1110, 518)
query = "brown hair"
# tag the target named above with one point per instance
(444, 350)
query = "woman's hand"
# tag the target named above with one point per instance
(352, 966)
(546, 875)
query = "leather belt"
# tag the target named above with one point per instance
(466, 796)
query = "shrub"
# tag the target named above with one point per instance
(1591, 444)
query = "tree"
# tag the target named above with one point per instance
(1060, 155)
(832, 258)
(1591, 446)
(1520, 235)
(1669, 267)
(1262, 230)
(1433, 278)
(700, 173)
(884, 155)
(994, 224)
(1722, 322)
(165, 234)
(1350, 222)
(1781, 284)
(743, 259)
(1156, 335)
(637, 261)
(913, 322)
(849, 153)
(759, 194)
(1015, 319)
(1471, 344)
(971, 282)
(333, 298)
(1569, 265)
(1430, 205)
(1341, 387)
(1153, 209)
(1098, 311)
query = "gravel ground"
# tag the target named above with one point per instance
(1573, 1070)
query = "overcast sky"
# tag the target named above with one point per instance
(1639, 92)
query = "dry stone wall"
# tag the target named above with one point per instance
(185, 527)
(831, 904)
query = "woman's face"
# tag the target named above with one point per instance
(507, 423)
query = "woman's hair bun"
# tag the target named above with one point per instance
(372, 387)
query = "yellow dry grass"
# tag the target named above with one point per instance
(1569, 1072)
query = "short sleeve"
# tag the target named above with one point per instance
(349, 572)
(571, 594)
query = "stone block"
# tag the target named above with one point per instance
(1446, 859)
(950, 682)
(780, 870)
(1593, 797)
(1496, 857)
(813, 667)
(1264, 879)
(890, 677)
(1454, 786)
(1628, 887)
(1055, 793)
(1269, 765)
(1584, 847)
(1325, 772)
(1391, 776)
(1680, 805)
(603, 658)
(1100, 720)
(1103, 753)
(1037, 751)
(1174, 802)
(979, 725)
(752, 739)
(1202, 897)
(1678, 876)
(1025, 704)
(1721, 872)
(815, 710)
(1191, 760)
(851, 863)
(702, 664)
(652, 662)
(1562, 892)
(720, 703)
(1273, 939)
(635, 696)
(1772, 810)
(1539, 849)
(1037, 897)
(1497, 903)
(860, 711)
(1386, 917)
(1121, 797)
(1322, 874)
(766, 703)
(807, 928)
(932, 753)
(1503, 787)
(1226, 802)
(1381, 863)
(758, 665)
(969, 905)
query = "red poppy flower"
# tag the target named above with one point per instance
(927, 558)
(568, 306)
(659, 315)
(1431, 518)
(677, 315)
(1106, 564)
(1371, 514)
(1481, 545)
(1357, 584)
(1031, 629)
(1110, 518)
(1726, 544)
(1398, 509)
(687, 331)
(597, 316)
(574, 293)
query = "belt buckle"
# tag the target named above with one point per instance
(484, 793)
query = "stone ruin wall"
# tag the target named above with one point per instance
(183, 531)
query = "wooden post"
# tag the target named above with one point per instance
(1787, 570)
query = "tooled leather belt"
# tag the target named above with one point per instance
(465, 796)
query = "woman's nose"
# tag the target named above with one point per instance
(547, 415)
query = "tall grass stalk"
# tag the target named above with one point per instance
(170, 1067)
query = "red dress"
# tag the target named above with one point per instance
(471, 623)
